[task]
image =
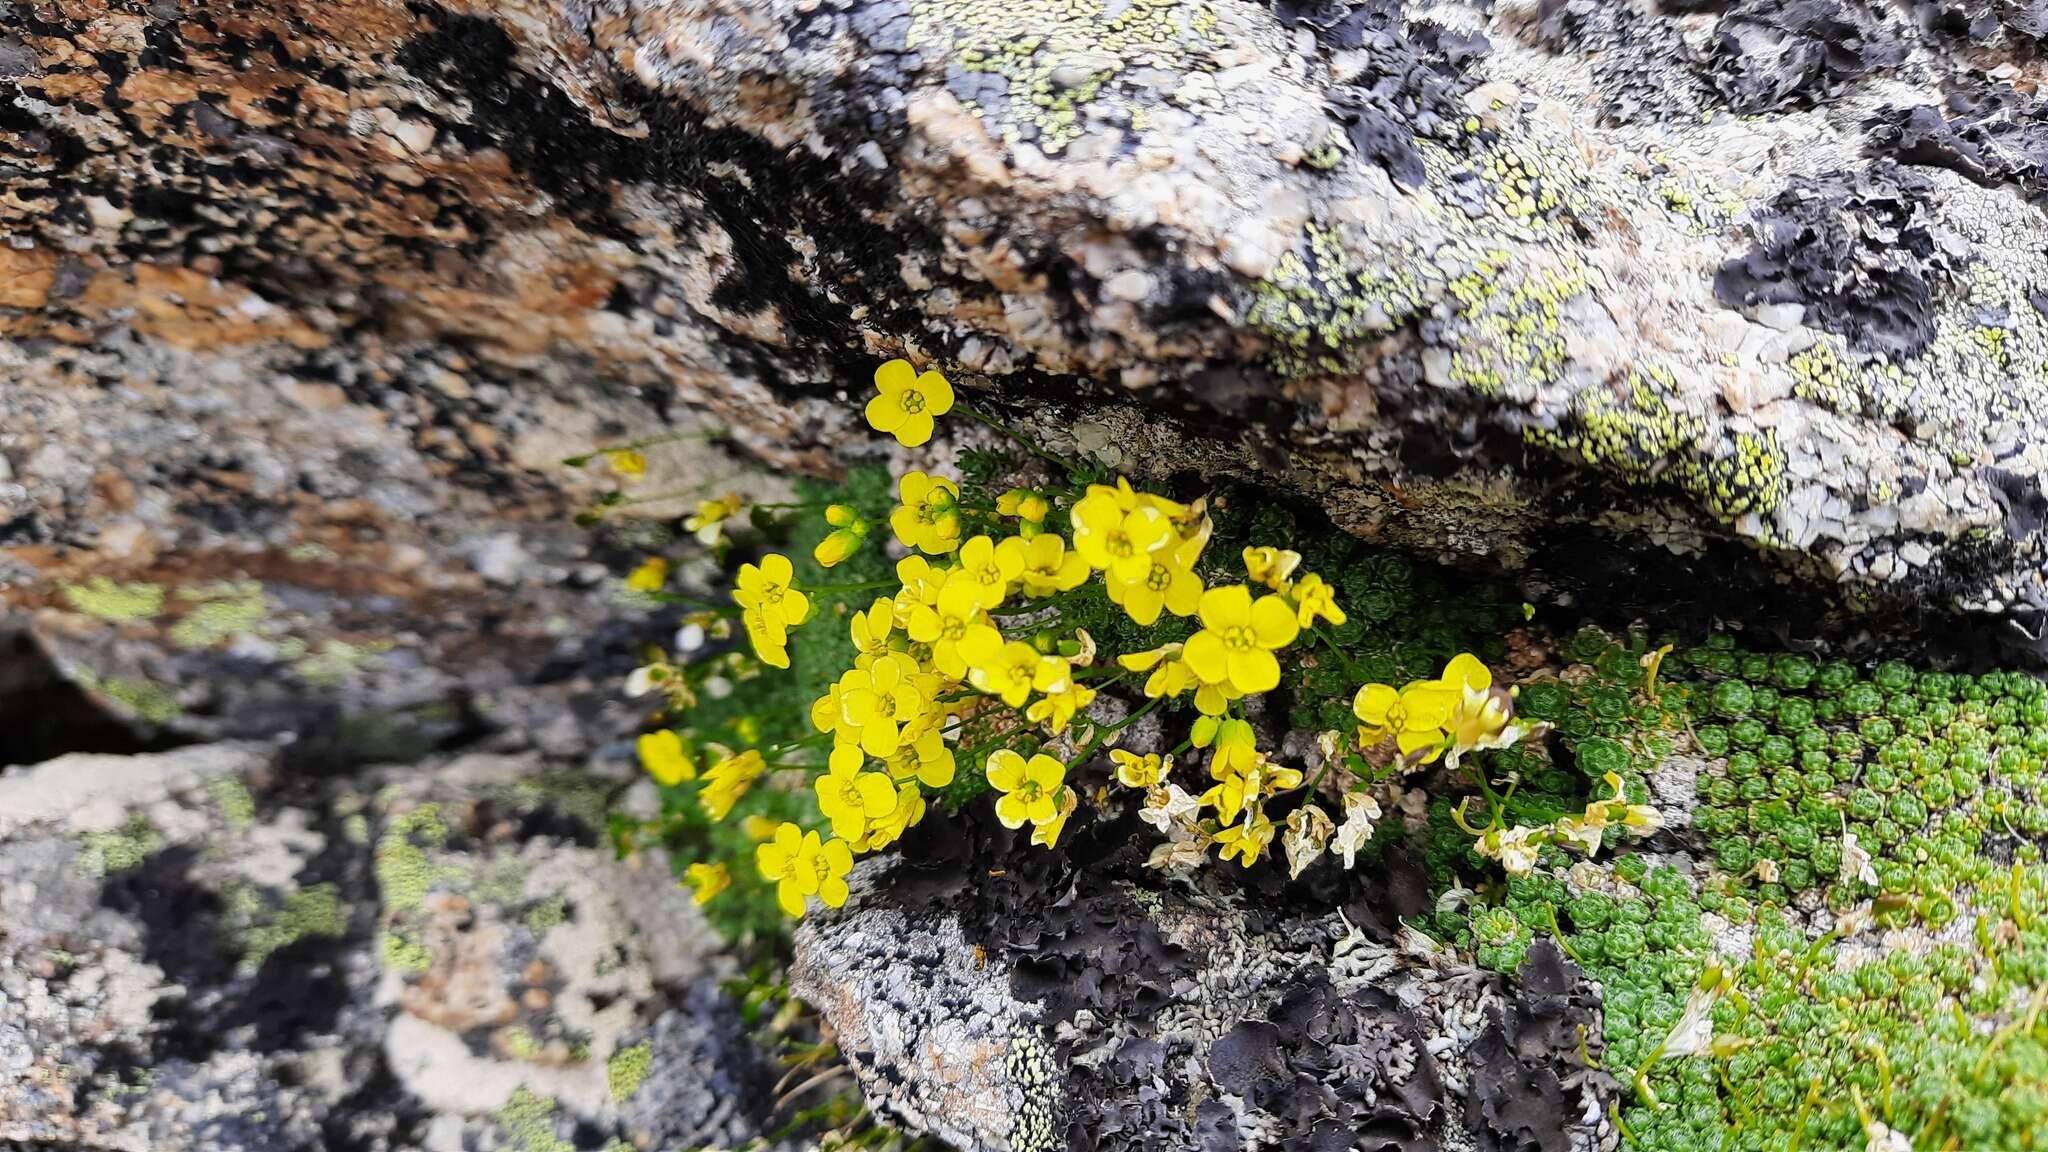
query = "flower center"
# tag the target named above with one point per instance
(1240, 637)
(1159, 578)
(990, 574)
(821, 866)
(913, 401)
(1119, 544)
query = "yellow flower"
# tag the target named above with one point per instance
(905, 402)
(1313, 598)
(1135, 771)
(758, 827)
(1414, 717)
(770, 642)
(1009, 669)
(848, 533)
(1170, 675)
(709, 520)
(626, 461)
(1130, 499)
(1030, 509)
(1030, 789)
(1169, 582)
(871, 631)
(928, 519)
(877, 701)
(768, 588)
(665, 759)
(1049, 567)
(925, 759)
(650, 576)
(802, 866)
(947, 624)
(908, 811)
(1057, 707)
(921, 583)
(707, 881)
(1237, 746)
(1116, 540)
(1047, 833)
(1246, 839)
(728, 780)
(850, 798)
(989, 568)
(1238, 638)
(1273, 567)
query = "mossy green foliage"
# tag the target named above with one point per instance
(312, 911)
(1934, 1030)
(748, 705)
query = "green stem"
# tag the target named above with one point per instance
(980, 417)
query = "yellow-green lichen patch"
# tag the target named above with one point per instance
(1319, 303)
(404, 873)
(103, 599)
(1056, 57)
(333, 662)
(627, 1069)
(527, 1123)
(218, 612)
(141, 698)
(1647, 436)
(1513, 336)
(313, 911)
(106, 853)
(232, 798)
(403, 952)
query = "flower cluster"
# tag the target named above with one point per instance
(969, 660)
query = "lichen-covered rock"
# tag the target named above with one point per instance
(1459, 271)
(1080, 1002)
(202, 952)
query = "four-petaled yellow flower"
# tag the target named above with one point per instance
(803, 865)
(877, 701)
(1010, 669)
(1117, 540)
(1062, 699)
(925, 759)
(1169, 582)
(1030, 788)
(871, 630)
(1314, 598)
(650, 576)
(708, 521)
(852, 799)
(989, 567)
(1238, 637)
(626, 461)
(1273, 567)
(947, 625)
(928, 519)
(728, 780)
(1135, 771)
(905, 402)
(768, 587)
(1050, 568)
(663, 755)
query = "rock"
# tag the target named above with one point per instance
(1089, 1005)
(1490, 254)
(203, 954)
